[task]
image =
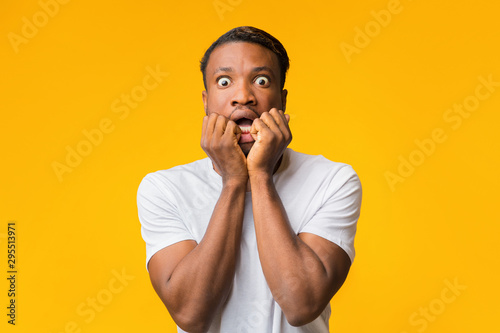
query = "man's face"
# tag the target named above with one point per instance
(243, 81)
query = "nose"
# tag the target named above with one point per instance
(243, 95)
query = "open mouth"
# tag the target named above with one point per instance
(245, 125)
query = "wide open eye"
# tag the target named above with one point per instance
(223, 82)
(262, 81)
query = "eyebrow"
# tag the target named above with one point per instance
(262, 68)
(255, 69)
(223, 69)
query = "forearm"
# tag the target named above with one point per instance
(295, 274)
(201, 281)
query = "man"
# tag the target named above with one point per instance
(256, 237)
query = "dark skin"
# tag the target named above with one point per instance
(303, 271)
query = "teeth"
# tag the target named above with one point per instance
(245, 129)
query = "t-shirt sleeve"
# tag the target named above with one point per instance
(161, 223)
(336, 219)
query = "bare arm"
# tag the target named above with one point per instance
(193, 280)
(304, 271)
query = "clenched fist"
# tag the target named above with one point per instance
(272, 135)
(219, 140)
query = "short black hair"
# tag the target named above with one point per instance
(249, 35)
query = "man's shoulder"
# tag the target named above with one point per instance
(180, 173)
(301, 162)
(317, 171)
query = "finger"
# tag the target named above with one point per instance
(282, 130)
(270, 119)
(212, 119)
(278, 124)
(284, 126)
(233, 127)
(220, 126)
(233, 130)
(279, 117)
(203, 140)
(282, 117)
(258, 127)
(204, 127)
(284, 120)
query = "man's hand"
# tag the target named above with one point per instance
(272, 135)
(219, 140)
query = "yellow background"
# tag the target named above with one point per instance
(441, 224)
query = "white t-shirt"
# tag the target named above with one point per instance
(320, 197)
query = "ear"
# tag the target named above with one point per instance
(284, 93)
(204, 97)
